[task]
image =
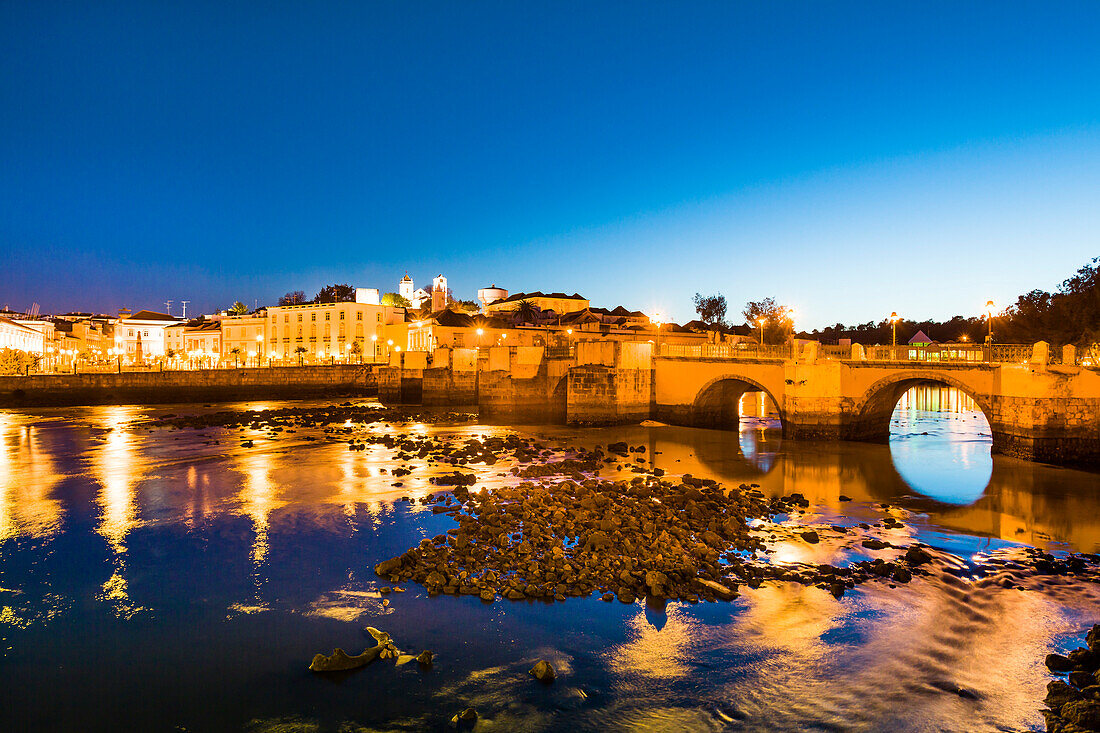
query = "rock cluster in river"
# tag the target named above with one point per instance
(1074, 705)
(686, 539)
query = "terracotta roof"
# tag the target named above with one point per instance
(150, 316)
(538, 294)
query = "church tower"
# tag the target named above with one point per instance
(405, 288)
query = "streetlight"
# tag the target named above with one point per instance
(760, 322)
(479, 332)
(989, 307)
(894, 318)
(790, 317)
(656, 319)
(259, 349)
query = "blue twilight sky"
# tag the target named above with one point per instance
(848, 158)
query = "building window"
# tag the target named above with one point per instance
(286, 318)
(358, 316)
(341, 315)
(131, 332)
(327, 314)
(145, 334)
(313, 316)
(299, 318)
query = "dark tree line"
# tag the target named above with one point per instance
(1069, 315)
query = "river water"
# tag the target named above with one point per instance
(178, 581)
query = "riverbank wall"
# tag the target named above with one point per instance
(200, 385)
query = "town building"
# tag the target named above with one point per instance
(244, 337)
(559, 303)
(14, 335)
(323, 331)
(140, 336)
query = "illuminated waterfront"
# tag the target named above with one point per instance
(159, 578)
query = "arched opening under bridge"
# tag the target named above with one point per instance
(939, 436)
(737, 403)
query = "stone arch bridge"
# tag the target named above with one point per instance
(1036, 410)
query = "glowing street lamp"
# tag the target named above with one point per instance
(894, 318)
(760, 322)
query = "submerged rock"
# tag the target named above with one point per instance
(340, 660)
(465, 719)
(543, 671)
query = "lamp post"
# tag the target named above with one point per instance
(373, 347)
(894, 318)
(259, 349)
(760, 322)
(989, 307)
(656, 318)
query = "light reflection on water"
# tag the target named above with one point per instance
(940, 444)
(154, 552)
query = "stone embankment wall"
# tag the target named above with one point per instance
(188, 386)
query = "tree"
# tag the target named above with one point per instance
(335, 294)
(395, 300)
(14, 361)
(711, 308)
(294, 297)
(357, 349)
(467, 306)
(778, 319)
(300, 351)
(525, 312)
(238, 309)
(236, 352)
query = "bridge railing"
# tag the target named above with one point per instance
(727, 351)
(951, 353)
(929, 353)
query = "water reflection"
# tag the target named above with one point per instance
(28, 476)
(117, 468)
(940, 444)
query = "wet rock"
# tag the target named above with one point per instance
(1085, 714)
(1058, 663)
(915, 555)
(811, 537)
(542, 671)
(902, 575)
(464, 720)
(1058, 694)
(717, 589)
(424, 659)
(842, 497)
(340, 660)
(874, 544)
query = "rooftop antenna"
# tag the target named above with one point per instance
(185, 302)
(168, 305)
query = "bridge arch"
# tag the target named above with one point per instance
(717, 403)
(871, 413)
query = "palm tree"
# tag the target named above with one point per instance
(299, 351)
(236, 352)
(526, 312)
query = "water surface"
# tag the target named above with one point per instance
(174, 580)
